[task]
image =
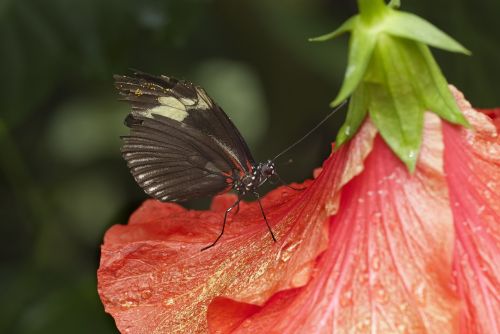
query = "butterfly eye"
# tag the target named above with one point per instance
(267, 170)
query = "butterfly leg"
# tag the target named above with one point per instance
(237, 203)
(237, 207)
(256, 194)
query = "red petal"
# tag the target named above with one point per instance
(472, 164)
(388, 264)
(153, 277)
(226, 315)
(494, 114)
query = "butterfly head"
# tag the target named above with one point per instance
(267, 169)
(264, 171)
(258, 176)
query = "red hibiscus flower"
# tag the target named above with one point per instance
(367, 247)
(397, 233)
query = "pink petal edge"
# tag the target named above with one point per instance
(472, 165)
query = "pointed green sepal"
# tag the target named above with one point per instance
(410, 26)
(356, 114)
(361, 47)
(345, 27)
(434, 87)
(394, 105)
(403, 138)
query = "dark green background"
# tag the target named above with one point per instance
(63, 182)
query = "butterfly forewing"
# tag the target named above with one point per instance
(181, 144)
(186, 103)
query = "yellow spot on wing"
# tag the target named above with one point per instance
(171, 108)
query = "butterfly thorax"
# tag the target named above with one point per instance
(257, 176)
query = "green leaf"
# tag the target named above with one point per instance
(394, 104)
(410, 26)
(345, 27)
(358, 108)
(361, 47)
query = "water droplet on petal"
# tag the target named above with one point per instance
(363, 278)
(380, 293)
(128, 303)
(288, 249)
(402, 329)
(477, 228)
(146, 294)
(346, 298)
(382, 296)
(364, 325)
(382, 192)
(487, 194)
(421, 293)
(246, 323)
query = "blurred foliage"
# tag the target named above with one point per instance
(63, 182)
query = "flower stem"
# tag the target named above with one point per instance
(371, 11)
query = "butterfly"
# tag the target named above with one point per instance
(182, 145)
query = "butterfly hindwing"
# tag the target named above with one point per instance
(174, 163)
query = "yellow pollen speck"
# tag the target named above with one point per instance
(138, 92)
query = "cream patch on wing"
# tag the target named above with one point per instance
(170, 107)
(187, 102)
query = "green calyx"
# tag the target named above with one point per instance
(392, 76)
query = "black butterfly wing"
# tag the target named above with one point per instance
(174, 162)
(187, 103)
(181, 144)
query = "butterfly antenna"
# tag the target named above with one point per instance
(311, 131)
